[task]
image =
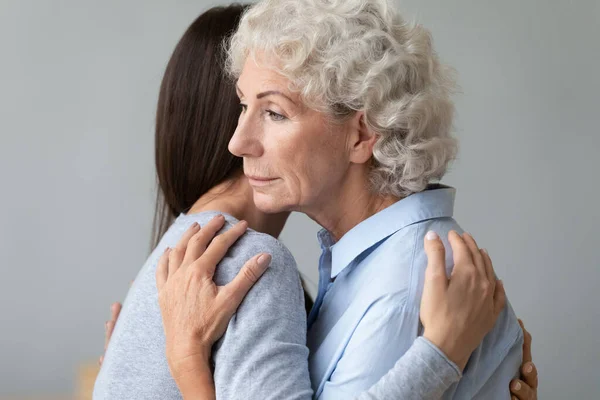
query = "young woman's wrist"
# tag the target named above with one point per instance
(451, 349)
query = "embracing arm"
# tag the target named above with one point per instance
(265, 355)
(184, 280)
(262, 351)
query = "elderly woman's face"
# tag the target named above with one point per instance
(294, 158)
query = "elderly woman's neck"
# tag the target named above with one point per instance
(349, 209)
(235, 198)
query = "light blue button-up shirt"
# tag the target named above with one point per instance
(366, 314)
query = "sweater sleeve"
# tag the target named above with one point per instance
(423, 372)
(263, 354)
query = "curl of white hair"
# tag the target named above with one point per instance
(344, 56)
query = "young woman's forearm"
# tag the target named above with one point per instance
(423, 372)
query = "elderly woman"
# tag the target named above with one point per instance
(346, 117)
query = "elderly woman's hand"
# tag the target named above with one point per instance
(195, 311)
(526, 387)
(109, 326)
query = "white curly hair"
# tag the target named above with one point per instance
(344, 56)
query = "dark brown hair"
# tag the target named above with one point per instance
(196, 117)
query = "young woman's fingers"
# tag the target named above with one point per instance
(522, 391)
(529, 375)
(475, 253)
(460, 252)
(219, 247)
(435, 274)
(236, 290)
(526, 343)
(187, 235)
(529, 372)
(162, 269)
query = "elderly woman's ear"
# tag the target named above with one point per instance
(361, 140)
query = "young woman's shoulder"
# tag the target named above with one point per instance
(258, 242)
(282, 264)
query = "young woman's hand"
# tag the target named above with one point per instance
(195, 311)
(526, 387)
(457, 312)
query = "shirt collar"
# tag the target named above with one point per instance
(437, 201)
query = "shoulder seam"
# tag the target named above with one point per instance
(410, 295)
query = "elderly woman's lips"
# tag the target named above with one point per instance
(260, 181)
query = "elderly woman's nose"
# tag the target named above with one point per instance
(243, 143)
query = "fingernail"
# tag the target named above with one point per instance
(485, 251)
(517, 386)
(529, 368)
(106, 326)
(264, 260)
(431, 235)
(168, 250)
(195, 225)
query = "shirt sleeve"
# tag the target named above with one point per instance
(263, 354)
(493, 365)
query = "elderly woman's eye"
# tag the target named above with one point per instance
(275, 117)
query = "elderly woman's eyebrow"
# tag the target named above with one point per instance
(274, 93)
(265, 94)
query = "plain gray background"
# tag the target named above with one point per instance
(78, 89)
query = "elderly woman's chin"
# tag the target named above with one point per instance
(270, 200)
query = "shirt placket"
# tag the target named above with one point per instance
(324, 283)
